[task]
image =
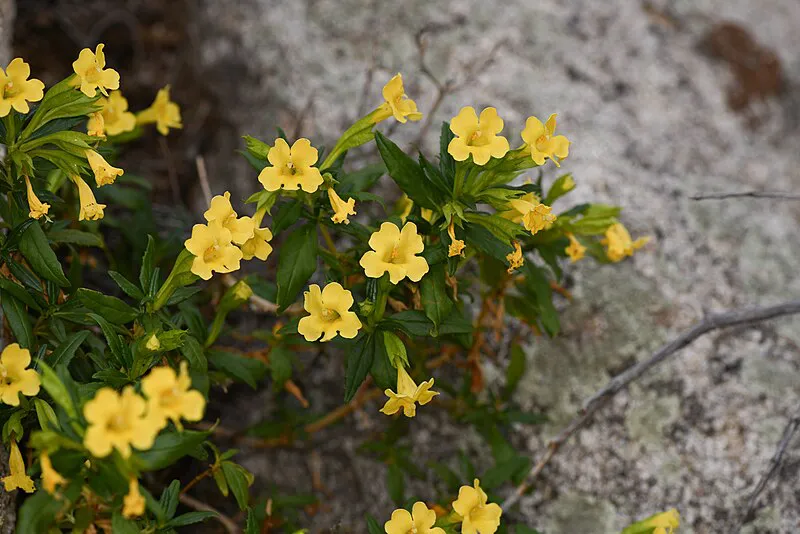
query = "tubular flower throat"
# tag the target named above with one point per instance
(18, 479)
(478, 517)
(292, 168)
(92, 74)
(535, 217)
(542, 143)
(258, 246)
(477, 136)
(575, 250)
(104, 173)
(36, 207)
(341, 209)
(457, 246)
(96, 127)
(330, 314)
(515, 259)
(115, 117)
(50, 477)
(15, 377)
(163, 112)
(213, 249)
(169, 397)
(513, 212)
(221, 210)
(90, 209)
(17, 89)
(117, 422)
(408, 394)
(133, 503)
(397, 103)
(395, 252)
(419, 521)
(619, 244)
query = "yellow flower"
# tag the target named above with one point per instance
(18, 479)
(214, 251)
(575, 250)
(117, 422)
(169, 396)
(115, 115)
(220, 210)
(292, 168)
(90, 209)
(104, 173)
(477, 136)
(457, 246)
(92, 74)
(258, 246)
(341, 209)
(403, 207)
(17, 89)
(515, 259)
(619, 244)
(153, 343)
(330, 314)
(478, 517)
(419, 521)
(133, 503)
(397, 103)
(37, 208)
(663, 523)
(96, 126)
(164, 112)
(15, 378)
(395, 252)
(50, 477)
(408, 393)
(514, 214)
(542, 143)
(535, 217)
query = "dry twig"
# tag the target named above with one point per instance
(752, 194)
(622, 380)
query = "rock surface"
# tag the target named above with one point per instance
(647, 113)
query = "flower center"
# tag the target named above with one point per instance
(10, 89)
(394, 255)
(291, 167)
(329, 314)
(117, 423)
(211, 254)
(4, 378)
(542, 139)
(168, 396)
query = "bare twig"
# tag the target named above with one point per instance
(752, 194)
(774, 464)
(202, 175)
(200, 506)
(256, 302)
(622, 380)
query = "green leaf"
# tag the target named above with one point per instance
(248, 370)
(121, 525)
(169, 499)
(54, 387)
(118, 349)
(287, 215)
(75, 237)
(146, 272)
(396, 484)
(435, 301)
(169, 447)
(189, 518)
(504, 471)
(395, 350)
(296, 264)
(66, 350)
(126, 285)
(500, 227)
(37, 513)
(36, 249)
(45, 414)
(382, 371)
(360, 180)
(110, 308)
(407, 174)
(239, 480)
(486, 242)
(410, 322)
(563, 185)
(280, 365)
(257, 148)
(19, 293)
(359, 362)
(447, 165)
(18, 319)
(538, 283)
(372, 526)
(194, 353)
(515, 370)
(434, 176)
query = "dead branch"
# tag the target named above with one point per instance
(752, 194)
(622, 380)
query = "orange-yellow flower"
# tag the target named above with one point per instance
(163, 112)
(15, 377)
(118, 422)
(221, 210)
(92, 74)
(515, 259)
(90, 209)
(395, 252)
(535, 217)
(419, 521)
(541, 142)
(477, 136)
(329, 314)
(36, 208)
(575, 250)
(51, 478)
(619, 244)
(133, 503)
(170, 397)
(341, 209)
(478, 517)
(407, 395)
(115, 117)
(213, 249)
(18, 479)
(457, 246)
(96, 127)
(258, 246)
(397, 103)
(292, 168)
(104, 172)
(17, 89)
